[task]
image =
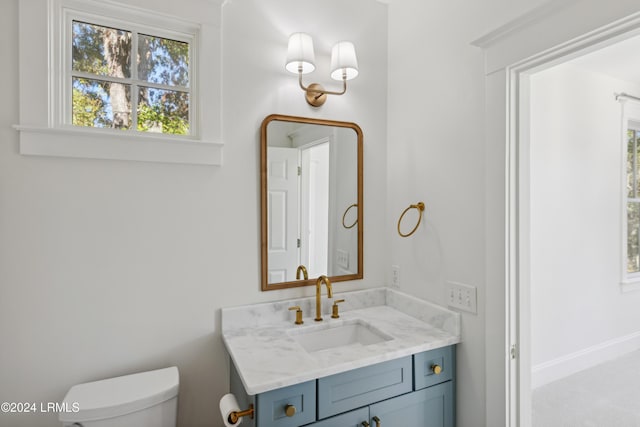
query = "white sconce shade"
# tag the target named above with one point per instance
(301, 60)
(344, 61)
(300, 54)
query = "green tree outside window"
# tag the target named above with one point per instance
(108, 78)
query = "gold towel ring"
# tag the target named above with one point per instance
(420, 207)
(345, 215)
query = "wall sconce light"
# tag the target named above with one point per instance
(301, 60)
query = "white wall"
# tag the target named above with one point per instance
(437, 155)
(111, 267)
(579, 315)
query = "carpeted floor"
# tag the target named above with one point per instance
(607, 395)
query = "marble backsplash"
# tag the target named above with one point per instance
(260, 315)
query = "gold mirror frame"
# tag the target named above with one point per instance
(263, 200)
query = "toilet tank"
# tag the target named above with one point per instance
(146, 399)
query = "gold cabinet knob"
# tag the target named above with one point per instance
(290, 410)
(436, 369)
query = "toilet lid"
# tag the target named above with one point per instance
(119, 396)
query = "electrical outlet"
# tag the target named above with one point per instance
(342, 258)
(395, 276)
(463, 297)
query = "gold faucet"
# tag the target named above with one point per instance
(327, 282)
(304, 272)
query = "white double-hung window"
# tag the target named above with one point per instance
(127, 77)
(116, 81)
(632, 205)
(630, 168)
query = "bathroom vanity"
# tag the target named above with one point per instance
(403, 391)
(388, 360)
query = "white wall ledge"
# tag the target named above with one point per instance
(117, 145)
(630, 286)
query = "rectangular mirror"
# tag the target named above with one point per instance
(311, 200)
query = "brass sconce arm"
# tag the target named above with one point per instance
(315, 93)
(317, 88)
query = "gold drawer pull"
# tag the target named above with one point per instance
(436, 369)
(365, 424)
(377, 421)
(290, 410)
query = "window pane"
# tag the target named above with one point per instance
(102, 51)
(101, 104)
(630, 156)
(164, 111)
(633, 226)
(163, 61)
(637, 169)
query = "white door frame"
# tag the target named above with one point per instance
(518, 316)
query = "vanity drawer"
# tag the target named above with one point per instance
(271, 406)
(360, 387)
(425, 371)
(354, 418)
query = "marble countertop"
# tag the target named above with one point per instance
(259, 337)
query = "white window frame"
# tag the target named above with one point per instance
(45, 85)
(187, 35)
(630, 120)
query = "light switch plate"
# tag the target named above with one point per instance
(463, 297)
(395, 276)
(342, 258)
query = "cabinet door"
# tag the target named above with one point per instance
(342, 392)
(429, 407)
(350, 419)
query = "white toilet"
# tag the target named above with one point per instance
(147, 399)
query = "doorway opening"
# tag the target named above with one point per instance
(570, 308)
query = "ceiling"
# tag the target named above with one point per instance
(620, 60)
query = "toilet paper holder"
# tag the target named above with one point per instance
(236, 415)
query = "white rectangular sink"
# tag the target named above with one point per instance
(330, 336)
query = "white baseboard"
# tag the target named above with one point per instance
(553, 370)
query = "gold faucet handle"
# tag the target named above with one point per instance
(335, 314)
(298, 310)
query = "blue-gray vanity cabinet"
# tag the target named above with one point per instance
(354, 418)
(429, 407)
(363, 386)
(413, 391)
